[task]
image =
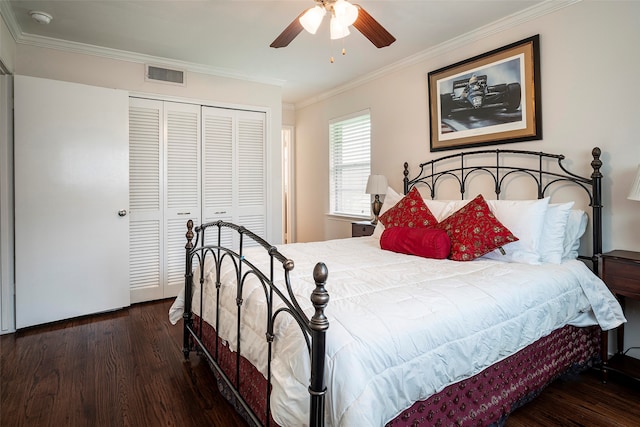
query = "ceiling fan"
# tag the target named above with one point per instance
(343, 14)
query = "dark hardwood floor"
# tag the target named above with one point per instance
(582, 400)
(123, 368)
(126, 368)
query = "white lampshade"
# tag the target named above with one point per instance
(634, 194)
(338, 30)
(312, 19)
(345, 12)
(376, 184)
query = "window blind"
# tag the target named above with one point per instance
(350, 164)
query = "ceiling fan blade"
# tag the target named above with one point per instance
(371, 29)
(289, 33)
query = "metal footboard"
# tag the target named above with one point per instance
(313, 329)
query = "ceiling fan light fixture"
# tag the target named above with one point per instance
(343, 15)
(338, 30)
(312, 19)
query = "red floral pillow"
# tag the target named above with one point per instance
(410, 211)
(475, 231)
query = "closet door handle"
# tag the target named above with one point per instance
(122, 212)
(184, 213)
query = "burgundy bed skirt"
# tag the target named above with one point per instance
(483, 400)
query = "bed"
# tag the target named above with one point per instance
(374, 336)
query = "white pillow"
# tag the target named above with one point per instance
(552, 240)
(442, 209)
(390, 199)
(525, 219)
(576, 226)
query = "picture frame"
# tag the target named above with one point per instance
(492, 98)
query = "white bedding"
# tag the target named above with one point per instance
(404, 327)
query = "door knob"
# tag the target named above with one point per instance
(122, 212)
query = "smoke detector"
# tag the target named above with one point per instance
(40, 17)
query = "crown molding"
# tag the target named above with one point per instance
(514, 20)
(9, 19)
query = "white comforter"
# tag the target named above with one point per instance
(404, 327)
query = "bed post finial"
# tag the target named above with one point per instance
(189, 235)
(406, 177)
(318, 325)
(596, 163)
(320, 297)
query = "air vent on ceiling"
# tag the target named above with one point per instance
(165, 75)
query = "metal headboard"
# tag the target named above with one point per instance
(499, 166)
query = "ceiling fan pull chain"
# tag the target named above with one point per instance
(344, 52)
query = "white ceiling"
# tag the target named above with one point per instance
(232, 37)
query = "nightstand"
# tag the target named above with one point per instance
(620, 270)
(362, 228)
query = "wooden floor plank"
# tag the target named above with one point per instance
(582, 400)
(126, 368)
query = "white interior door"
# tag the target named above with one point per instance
(234, 177)
(218, 179)
(288, 185)
(252, 203)
(182, 177)
(71, 181)
(146, 199)
(164, 147)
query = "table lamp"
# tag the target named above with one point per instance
(376, 184)
(634, 194)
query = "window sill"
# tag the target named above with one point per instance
(347, 218)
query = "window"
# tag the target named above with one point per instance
(350, 164)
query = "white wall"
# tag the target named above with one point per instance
(288, 115)
(589, 71)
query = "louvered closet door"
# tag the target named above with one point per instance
(234, 188)
(164, 170)
(218, 169)
(146, 199)
(183, 186)
(251, 171)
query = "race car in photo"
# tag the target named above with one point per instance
(474, 94)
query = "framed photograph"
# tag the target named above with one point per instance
(493, 98)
